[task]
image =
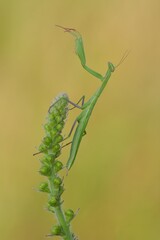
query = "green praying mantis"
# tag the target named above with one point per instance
(88, 106)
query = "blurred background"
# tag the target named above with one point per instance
(116, 178)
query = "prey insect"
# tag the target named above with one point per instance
(87, 107)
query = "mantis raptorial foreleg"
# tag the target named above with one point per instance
(79, 49)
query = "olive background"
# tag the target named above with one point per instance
(115, 180)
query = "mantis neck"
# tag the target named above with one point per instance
(92, 101)
(104, 83)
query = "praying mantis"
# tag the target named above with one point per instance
(88, 106)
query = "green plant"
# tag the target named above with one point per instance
(51, 166)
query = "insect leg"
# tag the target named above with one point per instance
(76, 105)
(51, 107)
(36, 153)
(71, 129)
(66, 144)
(84, 133)
(79, 49)
(54, 103)
(74, 124)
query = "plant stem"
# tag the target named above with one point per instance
(60, 214)
(61, 219)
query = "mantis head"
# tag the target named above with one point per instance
(111, 67)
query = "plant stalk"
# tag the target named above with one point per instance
(60, 214)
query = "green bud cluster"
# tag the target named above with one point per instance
(69, 214)
(51, 143)
(50, 165)
(57, 231)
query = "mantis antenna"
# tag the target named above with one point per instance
(125, 55)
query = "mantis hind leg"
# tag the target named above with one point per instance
(84, 133)
(74, 124)
(70, 133)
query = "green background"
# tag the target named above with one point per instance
(116, 178)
